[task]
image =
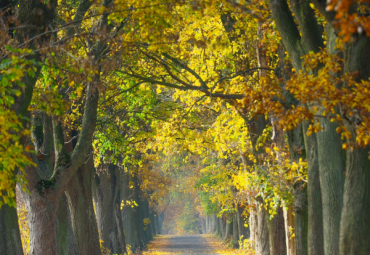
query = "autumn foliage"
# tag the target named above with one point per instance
(196, 112)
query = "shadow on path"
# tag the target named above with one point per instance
(192, 245)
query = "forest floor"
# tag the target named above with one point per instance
(189, 245)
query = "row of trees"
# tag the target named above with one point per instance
(273, 96)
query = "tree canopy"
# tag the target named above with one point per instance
(252, 111)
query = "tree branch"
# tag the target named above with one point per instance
(288, 30)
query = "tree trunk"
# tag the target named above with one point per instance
(10, 237)
(120, 231)
(218, 225)
(262, 238)
(128, 212)
(160, 222)
(42, 223)
(66, 239)
(332, 168)
(156, 222)
(204, 224)
(214, 227)
(253, 226)
(315, 238)
(228, 229)
(223, 228)
(244, 232)
(152, 223)
(355, 220)
(296, 140)
(301, 218)
(146, 216)
(79, 194)
(277, 233)
(107, 202)
(235, 242)
(139, 213)
(289, 226)
(25, 14)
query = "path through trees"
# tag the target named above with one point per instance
(123, 120)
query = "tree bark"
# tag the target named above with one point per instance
(301, 218)
(315, 235)
(332, 168)
(276, 229)
(79, 194)
(160, 222)
(355, 221)
(244, 232)
(228, 229)
(235, 242)
(107, 207)
(146, 216)
(128, 212)
(42, 223)
(289, 225)
(218, 224)
(120, 230)
(66, 239)
(262, 237)
(9, 227)
(10, 237)
(253, 225)
(296, 140)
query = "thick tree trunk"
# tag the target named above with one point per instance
(103, 190)
(107, 208)
(160, 222)
(213, 224)
(277, 233)
(301, 218)
(235, 242)
(296, 140)
(139, 214)
(289, 225)
(223, 227)
(42, 224)
(218, 224)
(220, 227)
(66, 241)
(152, 223)
(156, 221)
(206, 227)
(262, 238)
(228, 229)
(25, 14)
(120, 231)
(79, 194)
(10, 243)
(253, 226)
(315, 238)
(146, 216)
(332, 176)
(139, 224)
(355, 220)
(203, 221)
(243, 231)
(128, 212)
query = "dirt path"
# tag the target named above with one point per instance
(185, 245)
